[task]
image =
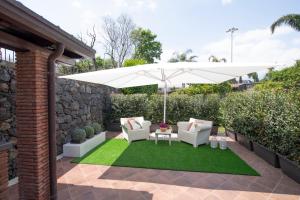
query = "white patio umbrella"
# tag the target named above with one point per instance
(169, 74)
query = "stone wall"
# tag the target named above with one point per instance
(8, 111)
(77, 104)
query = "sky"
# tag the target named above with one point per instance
(199, 25)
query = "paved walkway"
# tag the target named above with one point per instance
(81, 181)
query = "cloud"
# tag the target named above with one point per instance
(255, 46)
(226, 2)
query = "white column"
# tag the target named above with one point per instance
(165, 101)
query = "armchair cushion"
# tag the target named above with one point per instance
(134, 124)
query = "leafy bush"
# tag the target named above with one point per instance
(128, 106)
(267, 117)
(288, 79)
(89, 130)
(179, 107)
(221, 88)
(269, 85)
(78, 135)
(97, 127)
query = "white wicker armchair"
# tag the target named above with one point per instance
(199, 136)
(137, 134)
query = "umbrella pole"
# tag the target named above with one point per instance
(165, 101)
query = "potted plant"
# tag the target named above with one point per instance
(245, 141)
(289, 167)
(90, 131)
(163, 127)
(266, 154)
(97, 127)
(78, 136)
(79, 145)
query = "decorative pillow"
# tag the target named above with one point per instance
(190, 126)
(133, 124)
(125, 127)
(193, 127)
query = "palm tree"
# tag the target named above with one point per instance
(293, 20)
(183, 57)
(213, 58)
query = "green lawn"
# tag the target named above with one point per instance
(178, 156)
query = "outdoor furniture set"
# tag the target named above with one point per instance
(195, 131)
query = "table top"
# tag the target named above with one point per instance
(167, 132)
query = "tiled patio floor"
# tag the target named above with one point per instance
(81, 181)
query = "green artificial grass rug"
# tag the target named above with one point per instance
(179, 156)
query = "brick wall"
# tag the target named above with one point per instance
(3, 175)
(32, 125)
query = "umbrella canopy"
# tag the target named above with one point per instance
(170, 74)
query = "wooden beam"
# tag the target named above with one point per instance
(16, 13)
(17, 44)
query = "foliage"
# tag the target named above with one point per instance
(97, 127)
(147, 89)
(206, 89)
(146, 46)
(89, 130)
(86, 65)
(133, 62)
(179, 107)
(78, 135)
(269, 118)
(128, 106)
(213, 58)
(293, 20)
(183, 57)
(269, 85)
(288, 79)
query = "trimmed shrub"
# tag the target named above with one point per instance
(128, 106)
(78, 135)
(90, 132)
(97, 127)
(269, 118)
(179, 107)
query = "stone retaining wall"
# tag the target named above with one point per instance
(8, 111)
(77, 104)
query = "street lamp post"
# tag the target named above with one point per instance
(231, 31)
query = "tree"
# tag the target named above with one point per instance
(117, 38)
(85, 65)
(213, 58)
(183, 57)
(134, 62)
(145, 45)
(293, 20)
(91, 42)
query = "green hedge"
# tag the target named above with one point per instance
(179, 107)
(128, 106)
(267, 117)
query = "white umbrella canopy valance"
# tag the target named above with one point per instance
(170, 74)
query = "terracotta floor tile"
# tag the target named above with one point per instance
(82, 181)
